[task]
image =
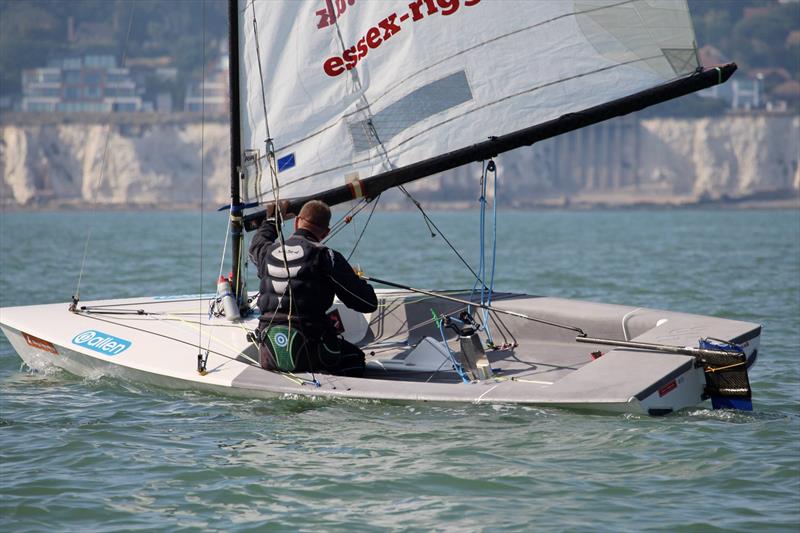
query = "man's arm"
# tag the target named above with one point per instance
(267, 232)
(353, 291)
(264, 236)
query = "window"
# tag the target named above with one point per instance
(72, 76)
(72, 93)
(91, 92)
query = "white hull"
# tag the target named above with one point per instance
(160, 347)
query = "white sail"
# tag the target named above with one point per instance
(352, 88)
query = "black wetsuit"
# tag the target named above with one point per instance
(315, 275)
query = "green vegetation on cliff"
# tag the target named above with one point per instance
(754, 33)
(32, 32)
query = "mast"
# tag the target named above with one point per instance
(374, 185)
(237, 236)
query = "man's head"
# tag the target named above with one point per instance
(315, 216)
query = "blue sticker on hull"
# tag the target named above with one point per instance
(101, 342)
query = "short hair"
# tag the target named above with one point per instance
(317, 213)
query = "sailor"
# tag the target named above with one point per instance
(299, 279)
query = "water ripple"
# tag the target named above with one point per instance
(107, 455)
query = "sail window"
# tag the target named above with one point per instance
(428, 100)
(681, 60)
(655, 34)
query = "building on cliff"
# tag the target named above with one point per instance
(210, 94)
(93, 83)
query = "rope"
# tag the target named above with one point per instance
(481, 226)
(486, 292)
(711, 370)
(456, 365)
(261, 80)
(273, 168)
(349, 291)
(504, 331)
(521, 380)
(491, 167)
(270, 149)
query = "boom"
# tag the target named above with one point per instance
(374, 185)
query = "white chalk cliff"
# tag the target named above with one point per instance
(145, 165)
(626, 159)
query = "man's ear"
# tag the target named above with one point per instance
(325, 233)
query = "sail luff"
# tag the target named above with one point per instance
(374, 185)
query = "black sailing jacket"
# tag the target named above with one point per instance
(315, 274)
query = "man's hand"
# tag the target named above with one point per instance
(283, 209)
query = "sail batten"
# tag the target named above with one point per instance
(356, 90)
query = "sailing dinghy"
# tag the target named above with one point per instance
(342, 100)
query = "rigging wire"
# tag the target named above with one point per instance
(366, 224)
(77, 296)
(346, 219)
(201, 361)
(419, 206)
(429, 221)
(224, 249)
(443, 296)
(213, 302)
(248, 360)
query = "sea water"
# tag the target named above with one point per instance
(99, 454)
